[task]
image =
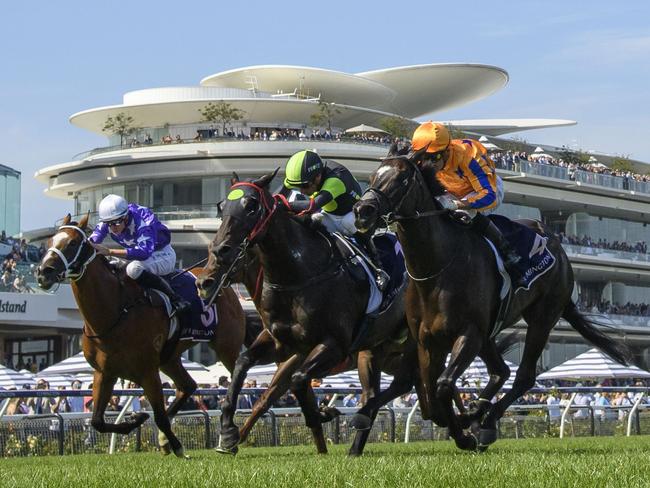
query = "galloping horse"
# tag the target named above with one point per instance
(453, 298)
(310, 303)
(124, 334)
(396, 356)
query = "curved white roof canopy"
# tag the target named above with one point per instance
(410, 91)
(427, 88)
(497, 127)
(275, 112)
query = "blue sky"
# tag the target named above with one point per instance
(586, 61)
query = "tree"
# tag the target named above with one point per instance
(623, 164)
(570, 156)
(516, 144)
(457, 133)
(121, 124)
(325, 114)
(221, 112)
(397, 126)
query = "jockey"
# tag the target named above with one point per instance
(464, 168)
(145, 241)
(332, 192)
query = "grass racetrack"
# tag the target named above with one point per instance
(590, 462)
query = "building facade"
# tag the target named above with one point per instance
(180, 164)
(9, 200)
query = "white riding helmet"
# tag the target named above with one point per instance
(112, 207)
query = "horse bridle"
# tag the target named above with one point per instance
(259, 228)
(385, 201)
(68, 265)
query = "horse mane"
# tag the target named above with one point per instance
(427, 169)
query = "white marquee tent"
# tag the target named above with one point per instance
(592, 364)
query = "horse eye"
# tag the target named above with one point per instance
(405, 182)
(250, 206)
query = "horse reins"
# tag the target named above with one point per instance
(68, 264)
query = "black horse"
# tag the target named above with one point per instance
(453, 298)
(312, 305)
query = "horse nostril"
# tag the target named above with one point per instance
(207, 283)
(366, 211)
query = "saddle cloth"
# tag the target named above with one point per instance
(392, 262)
(536, 258)
(204, 320)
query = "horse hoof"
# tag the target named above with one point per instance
(467, 442)
(327, 414)
(360, 422)
(226, 448)
(487, 437)
(180, 453)
(165, 449)
(139, 418)
(223, 450)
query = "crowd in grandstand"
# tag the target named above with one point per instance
(15, 252)
(587, 241)
(511, 160)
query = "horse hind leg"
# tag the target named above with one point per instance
(540, 322)
(185, 387)
(153, 391)
(499, 374)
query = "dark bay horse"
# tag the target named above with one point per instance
(453, 298)
(124, 334)
(311, 306)
(395, 356)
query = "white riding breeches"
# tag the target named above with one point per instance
(161, 263)
(337, 223)
(499, 197)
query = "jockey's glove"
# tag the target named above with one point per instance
(447, 201)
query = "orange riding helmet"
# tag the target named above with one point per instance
(432, 135)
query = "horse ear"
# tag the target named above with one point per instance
(67, 219)
(83, 223)
(266, 179)
(234, 179)
(392, 151)
(414, 157)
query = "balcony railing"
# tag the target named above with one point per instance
(124, 147)
(606, 254)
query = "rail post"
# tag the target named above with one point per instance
(592, 421)
(391, 428)
(632, 413)
(274, 428)
(208, 437)
(61, 434)
(129, 401)
(407, 434)
(565, 413)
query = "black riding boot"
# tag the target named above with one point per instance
(150, 280)
(381, 277)
(510, 257)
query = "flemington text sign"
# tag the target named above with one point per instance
(22, 307)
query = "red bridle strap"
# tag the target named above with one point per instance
(270, 209)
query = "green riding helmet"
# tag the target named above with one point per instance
(302, 168)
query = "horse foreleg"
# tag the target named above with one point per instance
(231, 331)
(153, 391)
(262, 351)
(102, 391)
(317, 364)
(279, 384)
(370, 378)
(185, 387)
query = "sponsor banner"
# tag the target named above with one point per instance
(24, 307)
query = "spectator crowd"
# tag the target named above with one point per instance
(13, 277)
(586, 241)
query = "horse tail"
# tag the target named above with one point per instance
(254, 326)
(618, 351)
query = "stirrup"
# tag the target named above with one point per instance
(382, 279)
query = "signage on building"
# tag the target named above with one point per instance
(23, 307)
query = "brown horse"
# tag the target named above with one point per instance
(125, 334)
(396, 356)
(453, 298)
